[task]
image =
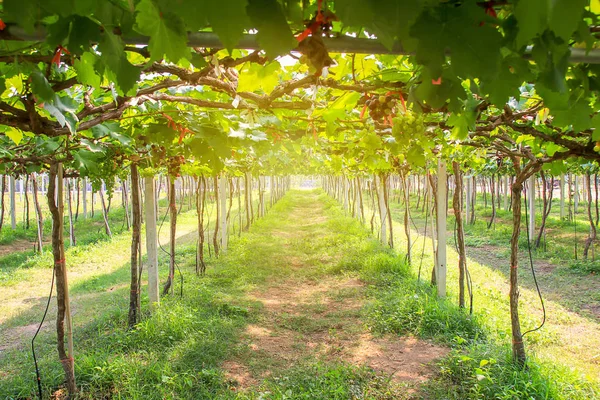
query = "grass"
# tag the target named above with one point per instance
(177, 352)
(99, 273)
(326, 381)
(486, 371)
(305, 240)
(568, 335)
(8, 235)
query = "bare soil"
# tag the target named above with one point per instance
(17, 246)
(334, 332)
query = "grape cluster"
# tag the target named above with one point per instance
(174, 165)
(408, 125)
(315, 54)
(158, 153)
(380, 107)
(160, 157)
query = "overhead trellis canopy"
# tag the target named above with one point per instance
(494, 76)
(335, 44)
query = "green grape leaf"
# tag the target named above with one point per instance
(553, 61)
(26, 13)
(388, 20)
(41, 87)
(58, 31)
(374, 162)
(63, 109)
(355, 13)
(274, 34)
(512, 73)
(112, 14)
(454, 28)
(198, 61)
(596, 126)
(416, 156)
(254, 76)
(228, 22)
(474, 58)
(168, 36)
(124, 140)
(113, 130)
(66, 8)
(86, 160)
(577, 115)
(86, 73)
(407, 13)
(532, 16)
(192, 12)
(429, 31)
(371, 142)
(14, 134)
(48, 145)
(436, 95)
(556, 167)
(535, 16)
(93, 147)
(112, 49)
(84, 32)
(565, 17)
(460, 126)
(552, 148)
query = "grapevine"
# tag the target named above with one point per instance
(87, 88)
(408, 125)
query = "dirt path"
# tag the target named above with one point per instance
(306, 319)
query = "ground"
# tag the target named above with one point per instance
(305, 319)
(571, 296)
(306, 304)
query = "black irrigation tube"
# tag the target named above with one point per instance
(37, 370)
(167, 253)
(533, 271)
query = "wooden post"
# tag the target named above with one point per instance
(576, 197)
(136, 237)
(360, 200)
(84, 192)
(382, 209)
(72, 241)
(68, 320)
(345, 189)
(223, 211)
(151, 242)
(56, 205)
(104, 212)
(562, 196)
(468, 197)
(531, 195)
(506, 193)
(13, 202)
(441, 202)
(38, 214)
(93, 200)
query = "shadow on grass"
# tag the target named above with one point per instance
(178, 349)
(556, 281)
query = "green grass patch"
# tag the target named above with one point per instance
(328, 381)
(487, 371)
